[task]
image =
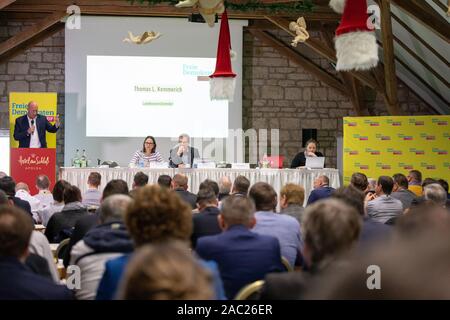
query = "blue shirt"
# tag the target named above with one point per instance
(283, 227)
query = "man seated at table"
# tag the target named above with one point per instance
(183, 155)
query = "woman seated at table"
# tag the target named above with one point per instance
(310, 151)
(142, 158)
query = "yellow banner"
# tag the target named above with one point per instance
(379, 146)
(18, 103)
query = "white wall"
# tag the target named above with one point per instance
(103, 36)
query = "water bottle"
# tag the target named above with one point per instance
(83, 160)
(76, 160)
(265, 161)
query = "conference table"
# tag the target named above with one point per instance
(277, 178)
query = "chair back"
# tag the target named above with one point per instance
(286, 264)
(60, 251)
(251, 291)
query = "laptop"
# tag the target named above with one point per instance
(315, 162)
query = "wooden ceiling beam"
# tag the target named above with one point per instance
(5, 3)
(299, 59)
(32, 31)
(425, 14)
(391, 97)
(324, 51)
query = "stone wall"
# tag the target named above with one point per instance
(38, 69)
(278, 94)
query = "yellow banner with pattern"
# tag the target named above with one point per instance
(385, 146)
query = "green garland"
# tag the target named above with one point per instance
(251, 5)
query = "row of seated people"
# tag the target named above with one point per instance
(271, 235)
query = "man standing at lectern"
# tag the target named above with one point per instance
(30, 129)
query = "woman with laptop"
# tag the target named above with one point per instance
(310, 151)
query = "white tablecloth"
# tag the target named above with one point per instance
(277, 178)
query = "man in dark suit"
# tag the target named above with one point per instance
(17, 281)
(180, 186)
(30, 129)
(183, 155)
(321, 190)
(205, 223)
(242, 256)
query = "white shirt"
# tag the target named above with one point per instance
(34, 141)
(34, 203)
(45, 197)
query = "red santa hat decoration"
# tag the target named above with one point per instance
(222, 81)
(356, 45)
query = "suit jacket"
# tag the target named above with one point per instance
(24, 205)
(300, 159)
(188, 197)
(242, 256)
(21, 126)
(205, 224)
(175, 160)
(318, 194)
(384, 208)
(20, 283)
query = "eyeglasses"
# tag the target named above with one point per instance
(149, 143)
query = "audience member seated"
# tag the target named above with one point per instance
(165, 181)
(165, 271)
(86, 223)
(140, 180)
(444, 184)
(372, 232)
(205, 223)
(40, 246)
(436, 194)
(240, 186)
(415, 182)
(398, 271)
(44, 195)
(330, 231)
(211, 185)
(243, 256)
(56, 205)
(283, 227)
(322, 190)
(292, 197)
(92, 196)
(39, 266)
(359, 181)
(401, 191)
(17, 281)
(8, 185)
(106, 241)
(23, 192)
(156, 215)
(381, 207)
(224, 187)
(180, 186)
(60, 226)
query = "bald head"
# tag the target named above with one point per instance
(180, 181)
(321, 181)
(32, 109)
(22, 186)
(224, 185)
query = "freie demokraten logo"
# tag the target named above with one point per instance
(351, 152)
(406, 166)
(362, 166)
(440, 151)
(405, 137)
(440, 122)
(427, 137)
(395, 152)
(383, 166)
(394, 123)
(373, 152)
(352, 124)
(372, 123)
(382, 137)
(417, 152)
(428, 166)
(417, 122)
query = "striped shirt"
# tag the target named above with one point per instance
(140, 156)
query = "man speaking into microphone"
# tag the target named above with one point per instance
(30, 129)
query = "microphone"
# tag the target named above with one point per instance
(32, 122)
